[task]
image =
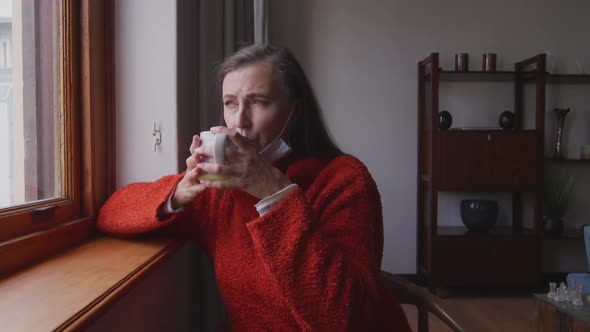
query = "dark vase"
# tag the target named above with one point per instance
(506, 120)
(560, 113)
(445, 120)
(479, 215)
(553, 225)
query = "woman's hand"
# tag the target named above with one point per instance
(189, 187)
(246, 170)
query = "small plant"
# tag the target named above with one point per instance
(558, 195)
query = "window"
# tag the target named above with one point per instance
(30, 103)
(40, 123)
(56, 124)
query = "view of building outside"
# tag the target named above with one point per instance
(31, 146)
(6, 113)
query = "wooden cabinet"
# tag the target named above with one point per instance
(480, 161)
(487, 160)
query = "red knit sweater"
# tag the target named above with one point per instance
(311, 263)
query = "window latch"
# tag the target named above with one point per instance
(43, 214)
(157, 137)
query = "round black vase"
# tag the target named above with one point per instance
(506, 120)
(479, 215)
(445, 120)
(553, 225)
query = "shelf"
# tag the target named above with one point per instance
(490, 130)
(568, 234)
(507, 76)
(568, 79)
(475, 76)
(462, 231)
(568, 161)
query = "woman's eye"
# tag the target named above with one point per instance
(261, 102)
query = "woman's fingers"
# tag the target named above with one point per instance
(191, 162)
(192, 175)
(193, 159)
(204, 150)
(238, 140)
(216, 169)
(188, 188)
(230, 183)
(195, 144)
(232, 155)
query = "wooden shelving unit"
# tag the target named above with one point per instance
(480, 161)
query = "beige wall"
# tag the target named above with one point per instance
(362, 57)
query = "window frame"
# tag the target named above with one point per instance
(33, 216)
(35, 230)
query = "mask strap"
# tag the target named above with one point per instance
(281, 133)
(286, 123)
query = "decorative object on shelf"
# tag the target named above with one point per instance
(582, 280)
(577, 296)
(506, 120)
(561, 292)
(549, 62)
(558, 195)
(479, 215)
(461, 62)
(489, 62)
(445, 119)
(560, 113)
(585, 153)
(552, 291)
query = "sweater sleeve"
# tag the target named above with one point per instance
(324, 251)
(134, 208)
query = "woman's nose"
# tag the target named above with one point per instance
(243, 117)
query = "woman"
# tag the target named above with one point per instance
(295, 232)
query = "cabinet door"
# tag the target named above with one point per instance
(464, 159)
(514, 164)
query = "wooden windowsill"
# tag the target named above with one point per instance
(69, 291)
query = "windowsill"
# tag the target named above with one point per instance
(69, 291)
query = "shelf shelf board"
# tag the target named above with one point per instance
(567, 234)
(568, 161)
(499, 231)
(508, 76)
(490, 130)
(568, 79)
(476, 76)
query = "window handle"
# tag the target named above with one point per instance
(43, 214)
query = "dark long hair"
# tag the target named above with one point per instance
(309, 135)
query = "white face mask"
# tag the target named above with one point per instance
(277, 148)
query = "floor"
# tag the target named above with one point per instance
(496, 313)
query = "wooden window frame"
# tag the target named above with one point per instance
(34, 231)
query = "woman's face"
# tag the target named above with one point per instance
(254, 103)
